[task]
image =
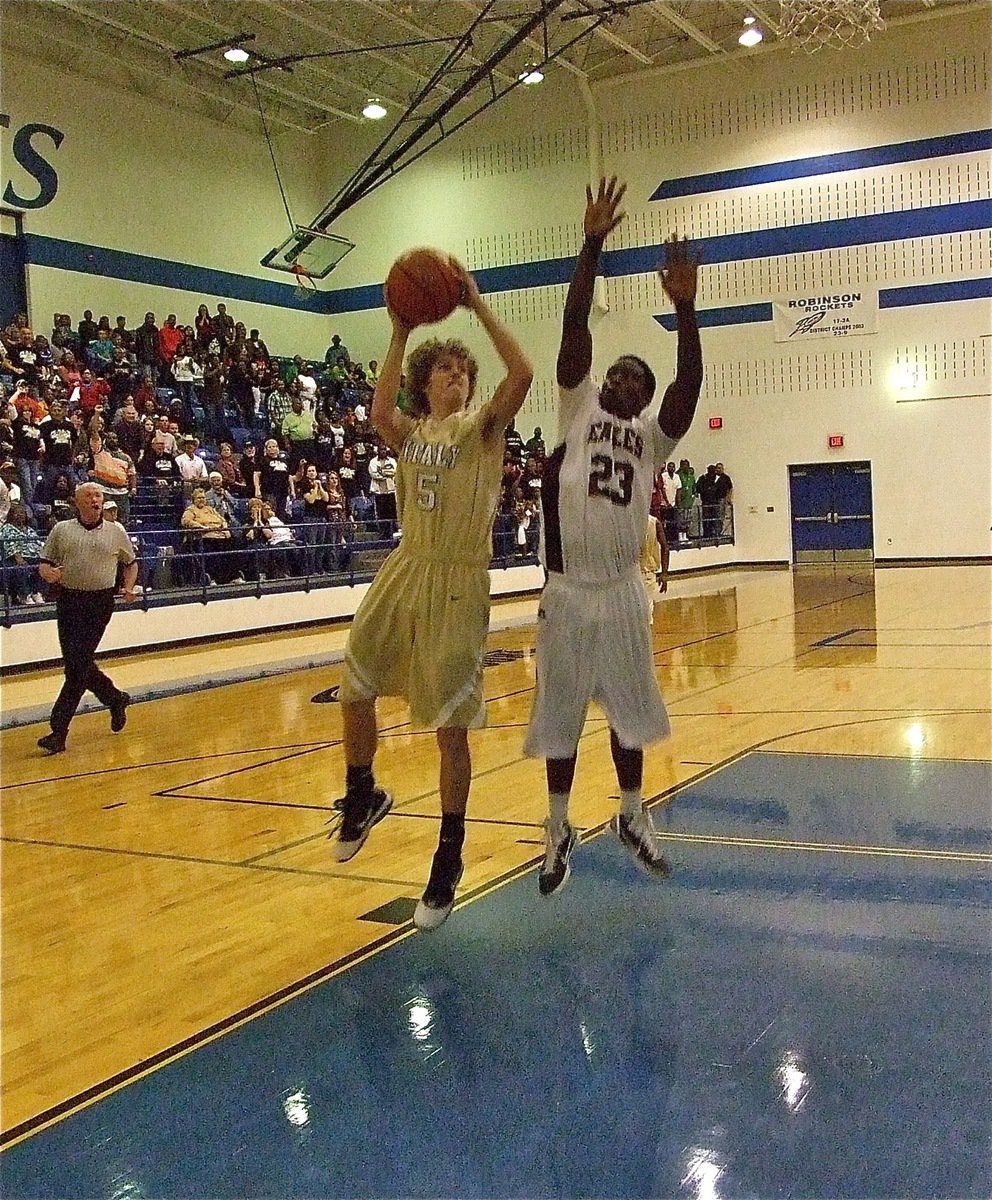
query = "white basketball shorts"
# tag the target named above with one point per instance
(594, 643)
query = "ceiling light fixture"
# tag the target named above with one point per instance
(752, 35)
(374, 109)
(236, 54)
(531, 74)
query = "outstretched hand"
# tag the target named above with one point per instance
(602, 215)
(471, 296)
(678, 270)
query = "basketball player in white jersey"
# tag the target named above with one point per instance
(421, 628)
(594, 640)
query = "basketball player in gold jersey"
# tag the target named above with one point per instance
(420, 630)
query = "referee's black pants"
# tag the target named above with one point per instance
(82, 618)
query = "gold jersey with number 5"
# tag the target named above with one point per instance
(421, 628)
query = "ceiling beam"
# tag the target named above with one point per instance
(183, 14)
(154, 71)
(608, 35)
(411, 27)
(297, 13)
(536, 45)
(669, 14)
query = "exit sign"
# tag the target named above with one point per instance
(835, 441)
(716, 422)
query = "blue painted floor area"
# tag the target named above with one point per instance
(771, 1022)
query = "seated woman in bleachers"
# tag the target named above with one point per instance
(206, 527)
(20, 552)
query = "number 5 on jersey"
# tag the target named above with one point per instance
(426, 490)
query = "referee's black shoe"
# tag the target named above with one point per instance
(52, 743)
(360, 814)
(555, 870)
(118, 712)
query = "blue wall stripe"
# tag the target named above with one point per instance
(735, 247)
(935, 293)
(820, 235)
(826, 164)
(904, 297)
(162, 272)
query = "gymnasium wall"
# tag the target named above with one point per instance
(142, 187)
(913, 398)
(155, 208)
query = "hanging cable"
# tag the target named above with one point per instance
(272, 155)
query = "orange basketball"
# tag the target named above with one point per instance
(423, 287)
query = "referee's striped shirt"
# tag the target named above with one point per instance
(88, 557)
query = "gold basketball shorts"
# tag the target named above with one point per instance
(420, 633)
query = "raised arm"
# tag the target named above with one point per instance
(393, 425)
(512, 390)
(601, 217)
(678, 278)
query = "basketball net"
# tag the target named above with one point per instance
(838, 24)
(304, 280)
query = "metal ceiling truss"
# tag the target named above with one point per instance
(435, 120)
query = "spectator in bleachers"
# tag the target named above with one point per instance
(63, 336)
(204, 327)
(24, 400)
(20, 548)
(363, 443)
(298, 433)
(220, 499)
(279, 402)
(257, 349)
(68, 371)
(230, 471)
(146, 347)
(28, 451)
(535, 445)
(100, 353)
(336, 352)
(87, 331)
(189, 464)
(11, 493)
(686, 500)
(119, 375)
(325, 446)
(121, 331)
(169, 340)
(513, 442)
(94, 392)
(273, 480)
(113, 471)
(313, 518)
(223, 327)
(338, 524)
(214, 381)
(187, 373)
(58, 435)
(129, 431)
(209, 530)
(382, 476)
(53, 500)
(306, 387)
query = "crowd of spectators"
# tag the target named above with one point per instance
(263, 466)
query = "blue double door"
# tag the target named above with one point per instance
(831, 512)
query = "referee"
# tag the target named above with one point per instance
(81, 555)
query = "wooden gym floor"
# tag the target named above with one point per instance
(163, 885)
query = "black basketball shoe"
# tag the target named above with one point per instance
(558, 849)
(360, 814)
(638, 835)
(52, 743)
(439, 895)
(118, 712)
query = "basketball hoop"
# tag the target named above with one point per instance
(304, 280)
(837, 24)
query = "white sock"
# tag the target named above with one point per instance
(631, 804)
(557, 810)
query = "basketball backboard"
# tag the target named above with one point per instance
(316, 252)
